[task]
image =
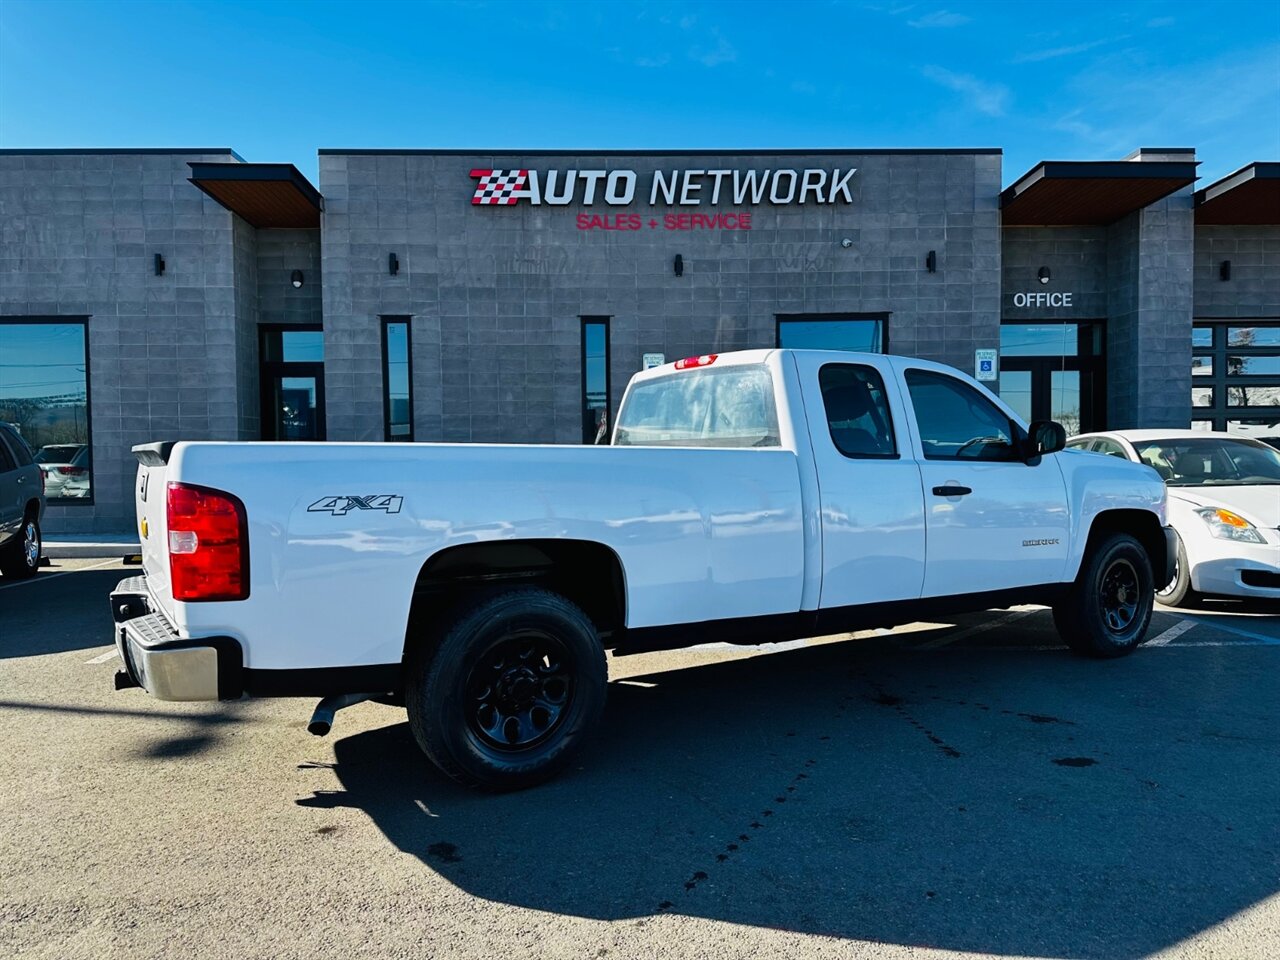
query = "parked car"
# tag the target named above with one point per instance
(762, 495)
(1224, 503)
(21, 506)
(66, 469)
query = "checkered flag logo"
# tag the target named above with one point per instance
(502, 187)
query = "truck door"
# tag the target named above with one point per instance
(994, 521)
(872, 509)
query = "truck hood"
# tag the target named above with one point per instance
(1260, 504)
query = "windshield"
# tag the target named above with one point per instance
(1211, 461)
(729, 407)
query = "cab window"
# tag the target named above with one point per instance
(857, 411)
(956, 422)
(1110, 448)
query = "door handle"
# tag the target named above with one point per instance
(951, 490)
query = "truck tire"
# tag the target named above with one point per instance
(509, 692)
(20, 558)
(1178, 592)
(1106, 611)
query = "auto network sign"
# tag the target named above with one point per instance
(674, 188)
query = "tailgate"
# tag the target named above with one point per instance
(149, 501)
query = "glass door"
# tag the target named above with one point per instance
(291, 373)
(1054, 371)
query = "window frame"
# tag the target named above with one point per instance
(387, 320)
(83, 321)
(604, 321)
(888, 411)
(1223, 382)
(1015, 432)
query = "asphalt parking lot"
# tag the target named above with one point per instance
(955, 789)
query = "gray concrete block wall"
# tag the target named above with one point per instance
(496, 293)
(278, 253)
(1254, 288)
(245, 261)
(78, 233)
(1077, 262)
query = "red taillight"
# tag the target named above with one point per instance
(208, 544)
(72, 471)
(706, 360)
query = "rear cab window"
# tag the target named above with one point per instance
(731, 406)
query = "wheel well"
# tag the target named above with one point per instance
(1140, 524)
(589, 574)
(32, 507)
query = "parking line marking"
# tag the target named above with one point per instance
(54, 576)
(977, 628)
(1260, 638)
(104, 657)
(1177, 630)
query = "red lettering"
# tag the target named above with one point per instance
(730, 221)
(582, 222)
(633, 221)
(744, 221)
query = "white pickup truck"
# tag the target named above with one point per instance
(758, 496)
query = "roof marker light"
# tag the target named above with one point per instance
(706, 360)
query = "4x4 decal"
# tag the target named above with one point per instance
(340, 506)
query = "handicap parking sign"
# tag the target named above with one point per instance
(984, 363)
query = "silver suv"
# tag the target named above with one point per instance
(21, 506)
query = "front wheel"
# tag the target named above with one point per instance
(509, 692)
(1107, 610)
(21, 558)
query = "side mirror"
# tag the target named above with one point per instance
(1043, 437)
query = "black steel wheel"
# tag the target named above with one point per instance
(1108, 608)
(509, 691)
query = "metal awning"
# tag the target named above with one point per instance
(1251, 195)
(263, 194)
(1092, 192)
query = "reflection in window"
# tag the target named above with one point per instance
(1253, 396)
(1202, 336)
(1201, 366)
(397, 398)
(1202, 396)
(862, 334)
(595, 379)
(1037, 340)
(293, 346)
(1253, 366)
(1268, 336)
(44, 395)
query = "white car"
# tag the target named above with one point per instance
(66, 470)
(1224, 504)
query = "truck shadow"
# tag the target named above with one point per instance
(1011, 802)
(48, 615)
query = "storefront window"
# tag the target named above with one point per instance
(397, 397)
(861, 333)
(1202, 336)
(595, 379)
(1242, 363)
(44, 396)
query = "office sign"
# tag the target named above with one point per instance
(1040, 298)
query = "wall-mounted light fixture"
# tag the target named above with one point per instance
(846, 243)
(931, 261)
(1044, 274)
(679, 265)
(159, 265)
(296, 278)
(1224, 270)
(393, 264)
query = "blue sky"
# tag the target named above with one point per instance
(277, 80)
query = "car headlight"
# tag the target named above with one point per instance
(1226, 525)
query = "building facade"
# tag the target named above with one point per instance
(475, 297)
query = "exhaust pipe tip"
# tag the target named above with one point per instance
(319, 728)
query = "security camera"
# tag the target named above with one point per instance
(846, 243)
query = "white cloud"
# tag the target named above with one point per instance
(1035, 56)
(720, 51)
(988, 98)
(939, 18)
